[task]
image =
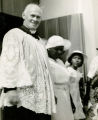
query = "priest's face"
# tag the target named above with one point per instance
(32, 17)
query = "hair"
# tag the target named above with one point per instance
(31, 5)
(79, 54)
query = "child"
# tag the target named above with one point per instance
(76, 60)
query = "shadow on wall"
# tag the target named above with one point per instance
(8, 22)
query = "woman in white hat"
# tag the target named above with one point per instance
(56, 46)
(76, 60)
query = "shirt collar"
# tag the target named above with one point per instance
(25, 29)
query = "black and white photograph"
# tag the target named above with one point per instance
(48, 60)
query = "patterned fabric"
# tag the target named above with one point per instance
(13, 72)
(38, 96)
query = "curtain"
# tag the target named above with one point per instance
(14, 7)
(69, 27)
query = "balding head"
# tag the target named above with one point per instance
(32, 16)
(32, 6)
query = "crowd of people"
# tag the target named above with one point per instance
(36, 84)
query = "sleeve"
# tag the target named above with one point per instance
(13, 70)
(9, 60)
(93, 68)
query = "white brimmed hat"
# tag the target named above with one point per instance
(55, 41)
(76, 52)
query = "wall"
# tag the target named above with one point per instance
(57, 8)
(95, 7)
(89, 28)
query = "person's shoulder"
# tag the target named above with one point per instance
(69, 68)
(14, 34)
(71, 71)
(15, 30)
(43, 41)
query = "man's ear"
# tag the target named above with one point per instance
(23, 15)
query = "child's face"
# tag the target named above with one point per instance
(76, 61)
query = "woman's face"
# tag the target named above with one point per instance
(76, 61)
(56, 52)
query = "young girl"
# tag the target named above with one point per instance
(76, 60)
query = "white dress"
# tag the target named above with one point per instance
(75, 93)
(61, 88)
